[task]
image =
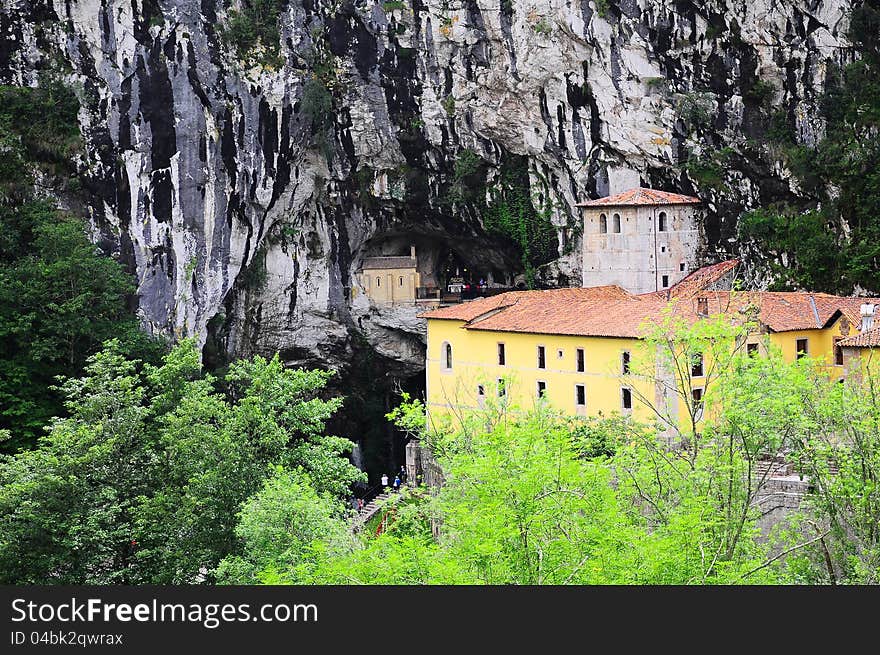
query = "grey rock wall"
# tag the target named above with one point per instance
(205, 176)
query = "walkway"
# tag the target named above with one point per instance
(370, 510)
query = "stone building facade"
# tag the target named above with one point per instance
(387, 280)
(641, 240)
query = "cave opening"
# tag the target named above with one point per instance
(371, 390)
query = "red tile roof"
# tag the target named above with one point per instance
(699, 280)
(610, 311)
(641, 196)
(467, 311)
(851, 308)
(867, 339)
(594, 311)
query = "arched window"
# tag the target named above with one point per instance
(617, 223)
(603, 224)
(378, 281)
(401, 281)
(661, 222)
(447, 355)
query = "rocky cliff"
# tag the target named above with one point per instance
(244, 158)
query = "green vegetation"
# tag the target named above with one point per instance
(394, 5)
(317, 107)
(708, 170)
(143, 480)
(511, 212)
(49, 142)
(841, 173)
(253, 31)
(468, 180)
(603, 7)
(449, 105)
(760, 92)
(798, 248)
(513, 215)
(695, 109)
(535, 497)
(714, 31)
(59, 296)
(316, 102)
(655, 82)
(166, 474)
(542, 26)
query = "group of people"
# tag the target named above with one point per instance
(399, 479)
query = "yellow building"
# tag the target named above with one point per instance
(576, 347)
(861, 351)
(391, 279)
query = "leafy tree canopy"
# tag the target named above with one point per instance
(60, 297)
(142, 482)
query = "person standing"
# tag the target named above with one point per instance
(396, 483)
(402, 474)
(384, 481)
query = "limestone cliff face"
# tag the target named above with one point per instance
(206, 176)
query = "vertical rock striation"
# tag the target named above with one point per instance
(244, 195)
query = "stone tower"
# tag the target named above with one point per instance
(642, 240)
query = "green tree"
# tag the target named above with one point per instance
(840, 455)
(514, 214)
(60, 297)
(287, 529)
(143, 480)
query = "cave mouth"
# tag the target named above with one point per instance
(369, 393)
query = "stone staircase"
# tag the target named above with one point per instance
(370, 510)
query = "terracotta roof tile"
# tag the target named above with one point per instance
(867, 339)
(851, 308)
(698, 280)
(467, 311)
(597, 311)
(641, 196)
(611, 311)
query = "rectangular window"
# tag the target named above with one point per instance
(580, 360)
(665, 281)
(751, 349)
(542, 388)
(580, 395)
(801, 348)
(542, 358)
(502, 390)
(401, 281)
(697, 395)
(626, 398)
(697, 366)
(838, 352)
(703, 306)
(681, 267)
(624, 362)
(500, 354)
